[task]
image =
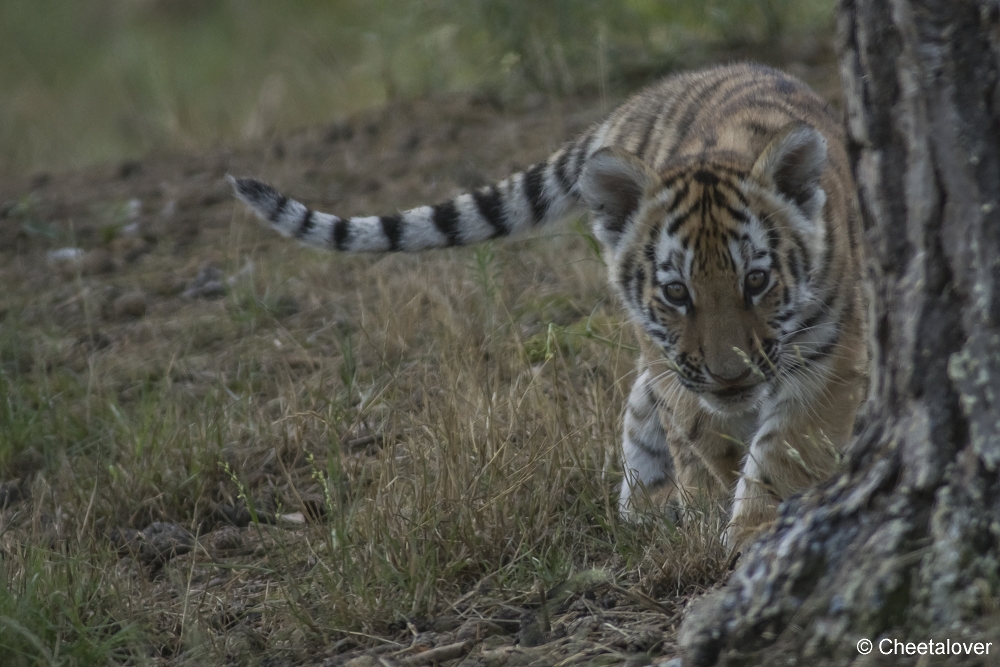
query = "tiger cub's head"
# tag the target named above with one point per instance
(716, 260)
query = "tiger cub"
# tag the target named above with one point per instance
(725, 207)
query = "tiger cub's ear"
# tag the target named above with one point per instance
(793, 164)
(612, 184)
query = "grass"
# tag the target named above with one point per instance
(366, 453)
(61, 610)
(489, 474)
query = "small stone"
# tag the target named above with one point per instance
(155, 544)
(65, 257)
(130, 305)
(133, 209)
(163, 541)
(225, 540)
(208, 284)
(295, 518)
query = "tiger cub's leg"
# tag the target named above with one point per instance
(647, 463)
(755, 502)
(673, 454)
(792, 450)
(775, 468)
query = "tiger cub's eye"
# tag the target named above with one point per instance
(756, 281)
(676, 293)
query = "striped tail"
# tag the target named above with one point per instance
(544, 193)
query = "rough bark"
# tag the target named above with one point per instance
(906, 543)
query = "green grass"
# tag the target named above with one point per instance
(61, 610)
(85, 82)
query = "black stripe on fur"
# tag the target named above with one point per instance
(339, 232)
(490, 205)
(278, 209)
(446, 221)
(306, 225)
(561, 175)
(392, 227)
(533, 190)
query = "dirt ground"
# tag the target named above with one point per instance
(129, 268)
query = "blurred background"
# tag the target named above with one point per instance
(86, 82)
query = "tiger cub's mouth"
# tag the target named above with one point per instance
(734, 392)
(734, 400)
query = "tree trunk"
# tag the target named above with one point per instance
(906, 543)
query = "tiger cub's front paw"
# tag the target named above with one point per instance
(754, 510)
